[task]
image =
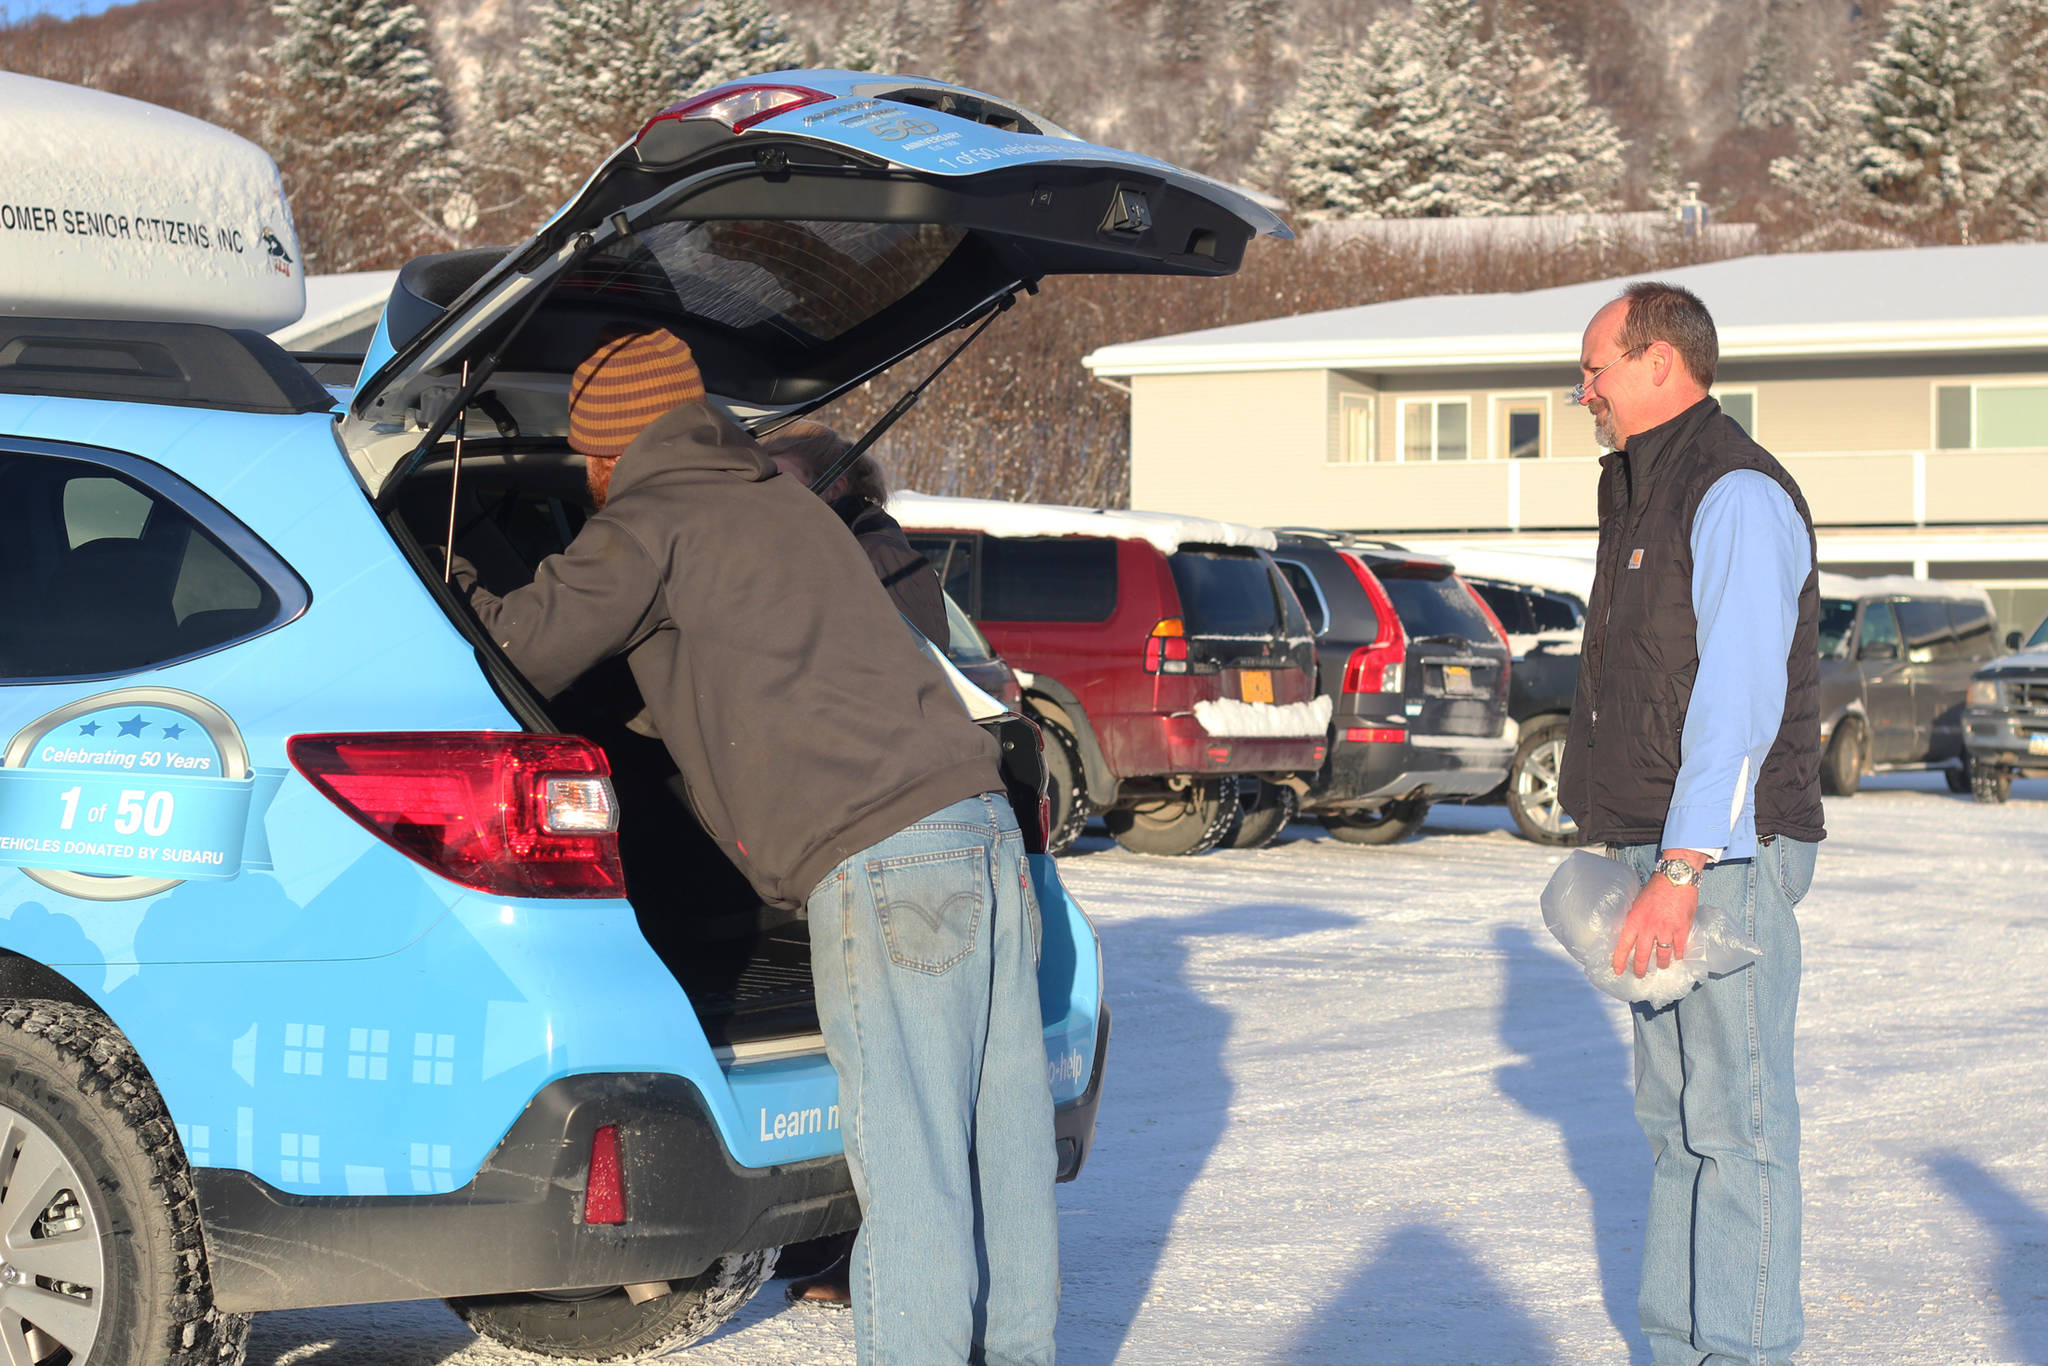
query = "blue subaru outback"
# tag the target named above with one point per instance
(334, 966)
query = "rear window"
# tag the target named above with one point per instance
(1837, 620)
(1305, 592)
(1068, 578)
(1974, 628)
(1226, 593)
(807, 282)
(1435, 606)
(1926, 627)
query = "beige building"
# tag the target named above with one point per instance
(1906, 390)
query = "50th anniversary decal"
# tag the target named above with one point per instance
(128, 793)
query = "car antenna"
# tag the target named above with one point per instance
(455, 485)
(902, 405)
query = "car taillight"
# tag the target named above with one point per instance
(1166, 650)
(739, 107)
(499, 811)
(1382, 665)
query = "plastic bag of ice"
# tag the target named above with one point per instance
(1584, 905)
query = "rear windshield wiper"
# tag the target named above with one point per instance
(1441, 640)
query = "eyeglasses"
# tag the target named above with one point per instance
(1585, 386)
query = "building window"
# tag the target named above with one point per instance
(1739, 404)
(1354, 429)
(1435, 429)
(1990, 416)
(1519, 423)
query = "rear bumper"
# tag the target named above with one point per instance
(1416, 766)
(518, 1226)
(1178, 744)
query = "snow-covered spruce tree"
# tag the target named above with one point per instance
(346, 100)
(726, 39)
(1767, 97)
(2023, 42)
(1934, 148)
(871, 43)
(1821, 179)
(1308, 151)
(1178, 31)
(1535, 141)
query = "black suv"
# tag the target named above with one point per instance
(2006, 718)
(1544, 626)
(1416, 670)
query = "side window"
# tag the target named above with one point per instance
(1065, 578)
(1511, 605)
(952, 560)
(1975, 631)
(122, 577)
(1925, 626)
(1880, 627)
(1555, 613)
(1304, 585)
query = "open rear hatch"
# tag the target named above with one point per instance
(801, 233)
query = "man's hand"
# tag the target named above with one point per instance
(1660, 920)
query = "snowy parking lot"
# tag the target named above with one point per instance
(1361, 1108)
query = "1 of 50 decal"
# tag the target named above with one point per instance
(128, 793)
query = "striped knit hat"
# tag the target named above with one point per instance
(626, 383)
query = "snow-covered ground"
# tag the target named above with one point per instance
(1361, 1109)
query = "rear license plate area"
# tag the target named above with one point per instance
(1458, 680)
(2037, 744)
(1255, 685)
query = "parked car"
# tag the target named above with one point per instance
(338, 967)
(1544, 626)
(1163, 657)
(2005, 719)
(1415, 670)
(1896, 659)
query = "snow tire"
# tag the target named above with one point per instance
(1177, 824)
(1260, 820)
(1390, 824)
(605, 1325)
(73, 1092)
(1532, 786)
(1841, 768)
(1065, 789)
(1989, 783)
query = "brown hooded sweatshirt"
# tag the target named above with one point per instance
(805, 720)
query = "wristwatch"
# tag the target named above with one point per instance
(1681, 873)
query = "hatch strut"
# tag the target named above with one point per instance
(903, 405)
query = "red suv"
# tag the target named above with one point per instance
(1164, 657)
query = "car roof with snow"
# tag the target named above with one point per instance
(1900, 586)
(1168, 531)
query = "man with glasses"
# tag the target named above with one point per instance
(1694, 754)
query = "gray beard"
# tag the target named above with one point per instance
(1603, 432)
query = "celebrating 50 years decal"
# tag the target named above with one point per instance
(128, 793)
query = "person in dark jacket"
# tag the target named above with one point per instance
(805, 450)
(828, 756)
(1694, 753)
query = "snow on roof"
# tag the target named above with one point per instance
(1560, 573)
(337, 304)
(1900, 585)
(1168, 531)
(119, 209)
(1810, 304)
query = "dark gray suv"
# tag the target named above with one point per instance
(2006, 719)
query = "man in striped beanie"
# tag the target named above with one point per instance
(828, 757)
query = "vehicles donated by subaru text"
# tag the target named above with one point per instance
(1163, 657)
(338, 967)
(1415, 670)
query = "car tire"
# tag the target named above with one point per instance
(1176, 824)
(127, 1283)
(606, 1325)
(1532, 786)
(1841, 767)
(1065, 789)
(1390, 824)
(1262, 815)
(1989, 783)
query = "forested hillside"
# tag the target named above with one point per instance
(411, 127)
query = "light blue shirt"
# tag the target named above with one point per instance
(1750, 557)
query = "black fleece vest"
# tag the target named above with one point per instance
(1641, 649)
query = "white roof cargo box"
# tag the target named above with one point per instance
(112, 208)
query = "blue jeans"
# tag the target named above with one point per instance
(1714, 1095)
(924, 948)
